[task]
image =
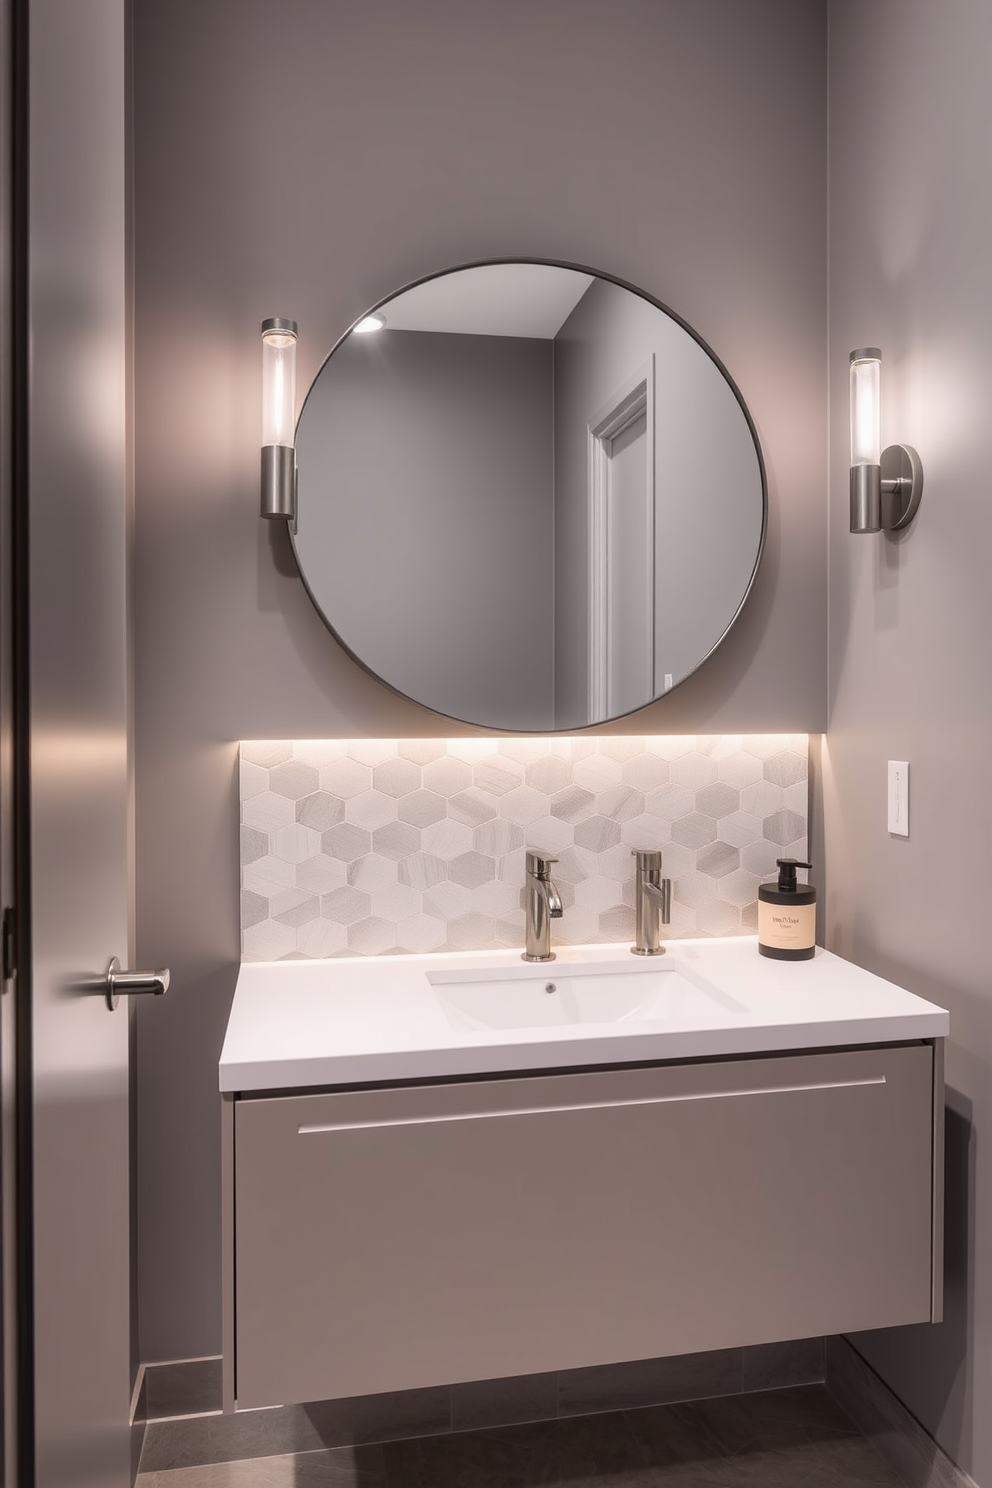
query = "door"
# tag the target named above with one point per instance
(622, 550)
(629, 583)
(8, 999)
(75, 486)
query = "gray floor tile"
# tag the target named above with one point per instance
(340, 1467)
(294, 1428)
(779, 1439)
(483, 1403)
(377, 1418)
(851, 1461)
(183, 1389)
(773, 1366)
(581, 1453)
(788, 1417)
(216, 1475)
(789, 1438)
(649, 1382)
(169, 1445)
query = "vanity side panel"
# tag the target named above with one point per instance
(398, 1238)
(937, 1292)
(227, 1300)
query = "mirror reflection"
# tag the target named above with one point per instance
(529, 498)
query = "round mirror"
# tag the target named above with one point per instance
(529, 497)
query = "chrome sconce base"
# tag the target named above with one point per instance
(886, 497)
(278, 482)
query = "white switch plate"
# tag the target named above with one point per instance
(899, 798)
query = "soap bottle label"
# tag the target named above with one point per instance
(786, 927)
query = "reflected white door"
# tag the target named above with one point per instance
(630, 562)
(622, 550)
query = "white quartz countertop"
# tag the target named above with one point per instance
(368, 1019)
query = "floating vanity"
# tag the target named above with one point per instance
(454, 1167)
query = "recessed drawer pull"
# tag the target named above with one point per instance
(647, 1100)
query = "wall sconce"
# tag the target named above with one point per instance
(886, 485)
(278, 418)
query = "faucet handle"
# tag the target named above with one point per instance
(538, 865)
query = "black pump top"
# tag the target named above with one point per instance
(787, 882)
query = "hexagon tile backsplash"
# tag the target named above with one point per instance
(378, 846)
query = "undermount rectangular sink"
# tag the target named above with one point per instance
(556, 994)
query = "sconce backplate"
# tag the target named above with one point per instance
(902, 486)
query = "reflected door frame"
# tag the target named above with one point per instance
(635, 398)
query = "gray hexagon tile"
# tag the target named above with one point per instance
(573, 804)
(321, 938)
(695, 770)
(423, 751)
(321, 874)
(472, 806)
(294, 779)
(383, 846)
(345, 906)
(320, 811)
(344, 778)
(373, 752)
(267, 811)
(254, 845)
(267, 752)
(422, 870)
(396, 777)
(497, 838)
(740, 769)
(268, 876)
(346, 842)
(785, 768)
(447, 901)
(254, 779)
(373, 872)
(370, 809)
(448, 776)
(645, 771)
(421, 808)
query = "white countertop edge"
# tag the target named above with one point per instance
(416, 1064)
(283, 996)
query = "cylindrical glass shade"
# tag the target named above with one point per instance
(866, 406)
(278, 382)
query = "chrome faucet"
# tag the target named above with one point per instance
(541, 905)
(652, 904)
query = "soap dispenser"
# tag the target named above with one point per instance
(787, 915)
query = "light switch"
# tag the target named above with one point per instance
(899, 798)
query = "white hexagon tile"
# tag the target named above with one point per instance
(378, 846)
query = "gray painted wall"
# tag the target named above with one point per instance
(707, 484)
(307, 159)
(910, 247)
(426, 506)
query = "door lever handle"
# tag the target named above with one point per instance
(127, 983)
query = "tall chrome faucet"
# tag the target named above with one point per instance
(541, 905)
(652, 904)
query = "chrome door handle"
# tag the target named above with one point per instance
(128, 982)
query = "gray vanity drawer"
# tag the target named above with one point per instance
(394, 1238)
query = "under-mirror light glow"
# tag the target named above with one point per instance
(866, 407)
(278, 386)
(370, 323)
